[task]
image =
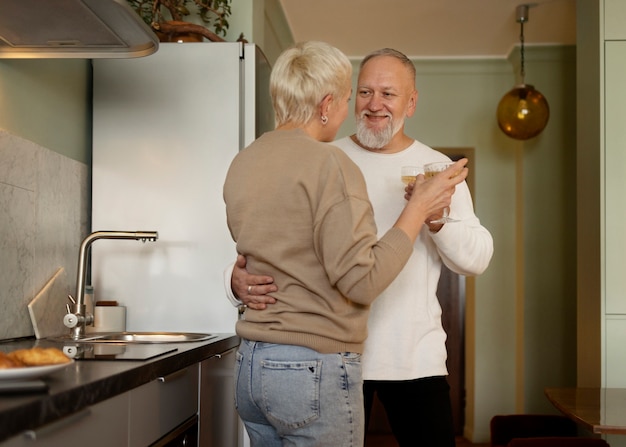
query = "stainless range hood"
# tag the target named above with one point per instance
(87, 29)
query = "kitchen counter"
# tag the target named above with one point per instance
(87, 382)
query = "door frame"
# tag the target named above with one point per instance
(456, 297)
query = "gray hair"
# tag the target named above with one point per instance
(391, 53)
(302, 77)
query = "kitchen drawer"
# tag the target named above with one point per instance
(158, 407)
(100, 425)
(219, 421)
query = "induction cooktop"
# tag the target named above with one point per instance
(108, 351)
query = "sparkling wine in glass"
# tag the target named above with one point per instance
(430, 170)
(409, 173)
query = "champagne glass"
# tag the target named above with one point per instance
(430, 170)
(408, 174)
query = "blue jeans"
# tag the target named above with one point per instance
(294, 396)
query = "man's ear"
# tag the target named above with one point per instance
(410, 110)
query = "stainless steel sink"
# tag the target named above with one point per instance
(145, 337)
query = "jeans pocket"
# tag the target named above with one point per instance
(291, 392)
(237, 373)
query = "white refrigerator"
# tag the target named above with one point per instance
(165, 129)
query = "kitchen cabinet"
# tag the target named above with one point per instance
(614, 179)
(601, 184)
(219, 422)
(158, 407)
(104, 424)
(154, 402)
(615, 359)
(137, 418)
(614, 18)
(614, 151)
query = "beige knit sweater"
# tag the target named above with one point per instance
(299, 211)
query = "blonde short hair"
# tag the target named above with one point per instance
(302, 77)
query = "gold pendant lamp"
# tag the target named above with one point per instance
(523, 112)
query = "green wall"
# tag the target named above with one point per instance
(48, 101)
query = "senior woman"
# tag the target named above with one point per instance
(298, 210)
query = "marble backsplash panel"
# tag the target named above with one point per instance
(44, 216)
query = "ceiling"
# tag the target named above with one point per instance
(430, 28)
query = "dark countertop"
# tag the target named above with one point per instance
(87, 382)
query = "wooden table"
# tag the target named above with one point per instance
(600, 410)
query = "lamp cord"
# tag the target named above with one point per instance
(521, 39)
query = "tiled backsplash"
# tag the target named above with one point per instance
(44, 216)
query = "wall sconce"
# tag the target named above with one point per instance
(523, 112)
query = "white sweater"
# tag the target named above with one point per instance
(406, 339)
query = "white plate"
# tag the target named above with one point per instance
(31, 372)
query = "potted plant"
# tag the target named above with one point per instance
(166, 18)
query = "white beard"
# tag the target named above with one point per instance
(379, 139)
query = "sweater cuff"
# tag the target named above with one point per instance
(228, 273)
(400, 241)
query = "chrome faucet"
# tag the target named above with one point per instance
(77, 317)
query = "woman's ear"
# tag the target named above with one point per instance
(325, 104)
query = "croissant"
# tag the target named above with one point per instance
(38, 357)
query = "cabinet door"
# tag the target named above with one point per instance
(219, 421)
(615, 359)
(158, 407)
(614, 18)
(615, 180)
(101, 425)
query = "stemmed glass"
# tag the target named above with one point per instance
(430, 170)
(409, 173)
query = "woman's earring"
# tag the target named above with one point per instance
(324, 119)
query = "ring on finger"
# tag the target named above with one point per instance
(249, 290)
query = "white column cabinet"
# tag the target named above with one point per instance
(614, 169)
(615, 173)
(614, 20)
(615, 349)
(601, 188)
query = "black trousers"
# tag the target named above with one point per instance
(419, 411)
